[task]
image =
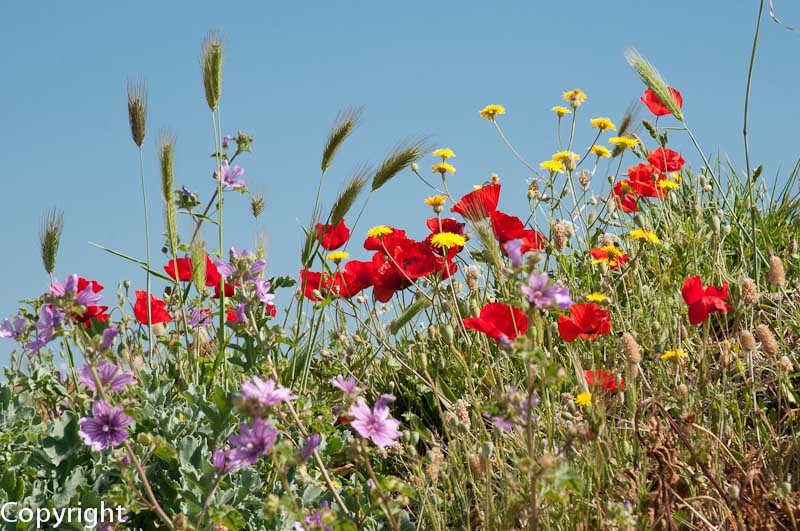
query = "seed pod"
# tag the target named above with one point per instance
(768, 342)
(776, 276)
(749, 292)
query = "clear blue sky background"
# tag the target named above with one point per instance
(419, 69)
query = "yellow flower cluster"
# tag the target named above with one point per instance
(673, 354)
(553, 166)
(445, 153)
(601, 151)
(338, 256)
(644, 235)
(436, 200)
(603, 124)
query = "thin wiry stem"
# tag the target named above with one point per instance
(147, 255)
(751, 200)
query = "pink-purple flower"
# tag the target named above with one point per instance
(311, 444)
(106, 427)
(251, 443)
(50, 320)
(12, 329)
(348, 386)
(111, 376)
(231, 177)
(542, 294)
(375, 423)
(266, 393)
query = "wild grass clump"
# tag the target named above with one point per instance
(605, 360)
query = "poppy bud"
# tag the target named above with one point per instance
(447, 333)
(715, 224)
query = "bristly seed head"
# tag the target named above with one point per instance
(653, 80)
(50, 230)
(776, 276)
(137, 109)
(747, 341)
(749, 292)
(256, 205)
(212, 68)
(166, 150)
(768, 342)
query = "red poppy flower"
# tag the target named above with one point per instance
(610, 255)
(587, 322)
(377, 243)
(479, 203)
(604, 380)
(655, 105)
(91, 312)
(642, 179)
(83, 283)
(157, 312)
(407, 261)
(448, 225)
(703, 302)
(499, 321)
(184, 269)
(665, 159)
(625, 196)
(355, 277)
(507, 228)
(331, 237)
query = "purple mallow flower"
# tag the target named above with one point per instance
(514, 250)
(12, 329)
(375, 424)
(251, 443)
(51, 319)
(199, 318)
(226, 140)
(231, 177)
(221, 461)
(69, 288)
(111, 376)
(262, 290)
(266, 393)
(242, 262)
(315, 519)
(542, 294)
(346, 386)
(310, 445)
(106, 427)
(241, 312)
(109, 334)
(515, 409)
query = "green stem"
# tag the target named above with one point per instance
(147, 256)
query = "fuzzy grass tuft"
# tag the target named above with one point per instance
(50, 231)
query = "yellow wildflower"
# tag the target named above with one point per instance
(338, 256)
(565, 156)
(603, 124)
(644, 235)
(335, 484)
(600, 151)
(477, 186)
(561, 111)
(553, 166)
(624, 141)
(668, 184)
(596, 297)
(677, 353)
(380, 230)
(490, 111)
(575, 97)
(447, 240)
(443, 168)
(677, 176)
(436, 200)
(584, 399)
(445, 153)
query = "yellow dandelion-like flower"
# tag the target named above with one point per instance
(676, 354)
(575, 97)
(668, 184)
(644, 235)
(338, 256)
(445, 153)
(380, 230)
(677, 176)
(490, 111)
(443, 168)
(553, 166)
(596, 297)
(584, 399)
(624, 141)
(565, 156)
(600, 151)
(335, 484)
(477, 186)
(603, 124)
(561, 111)
(436, 200)
(447, 240)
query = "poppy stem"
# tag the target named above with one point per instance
(747, 147)
(147, 256)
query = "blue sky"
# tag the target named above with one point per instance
(418, 69)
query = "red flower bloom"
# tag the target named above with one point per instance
(355, 277)
(230, 290)
(377, 243)
(157, 312)
(604, 380)
(184, 269)
(655, 105)
(83, 283)
(641, 179)
(507, 228)
(665, 159)
(703, 302)
(448, 225)
(407, 261)
(610, 255)
(499, 321)
(331, 237)
(587, 322)
(479, 203)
